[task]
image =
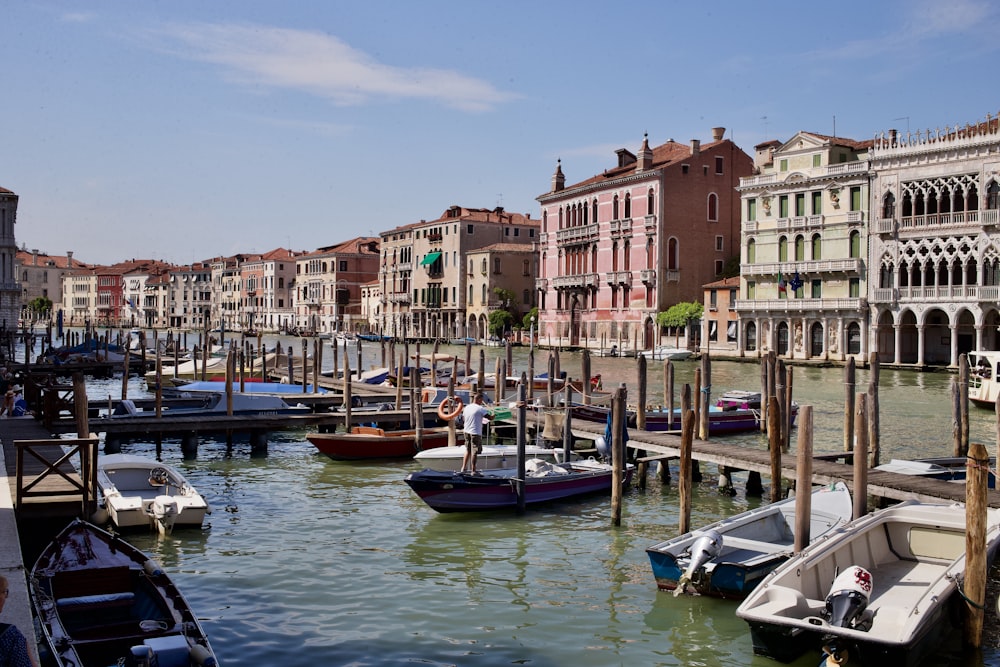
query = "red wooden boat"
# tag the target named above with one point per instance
(367, 442)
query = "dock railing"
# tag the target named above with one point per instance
(57, 478)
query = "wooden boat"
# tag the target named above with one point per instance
(142, 492)
(721, 420)
(447, 491)
(187, 388)
(368, 442)
(984, 381)
(881, 589)
(729, 558)
(100, 601)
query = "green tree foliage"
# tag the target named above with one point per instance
(498, 321)
(680, 315)
(40, 305)
(530, 315)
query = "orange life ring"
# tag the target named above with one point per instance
(448, 416)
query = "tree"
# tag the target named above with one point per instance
(39, 306)
(680, 315)
(498, 321)
(529, 316)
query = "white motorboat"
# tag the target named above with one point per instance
(661, 352)
(882, 589)
(984, 385)
(142, 492)
(493, 457)
(244, 404)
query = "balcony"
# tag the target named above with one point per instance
(765, 306)
(648, 276)
(750, 225)
(580, 281)
(851, 265)
(855, 217)
(399, 297)
(434, 237)
(673, 276)
(650, 223)
(542, 284)
(621, 227)
(619, 278)
(577, 234)
(885, 226)
(951, 293)
(801, 222)
(755, 181)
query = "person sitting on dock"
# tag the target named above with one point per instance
(472, 427)
(13, 645)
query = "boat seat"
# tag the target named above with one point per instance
(788, 602)
(367, 430)
(752, 545)
(100, 601)
(96, 581)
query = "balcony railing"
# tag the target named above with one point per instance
(648, 276)
(399, 297)
(963, 293)
(580, 280)
(851, 265)
(803, 222)
(650, 223)
(619, 278)
(620, 227)
(577, 234)
(796, 305)
(542, 284)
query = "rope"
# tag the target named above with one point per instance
(975, 605)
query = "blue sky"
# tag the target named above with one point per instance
(184, 130)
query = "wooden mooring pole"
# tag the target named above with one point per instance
(803, 481)
(976, 563)
(617, 453)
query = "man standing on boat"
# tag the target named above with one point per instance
(472, 426)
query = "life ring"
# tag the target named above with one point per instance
(442, 411)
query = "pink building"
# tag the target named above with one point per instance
(624, 245)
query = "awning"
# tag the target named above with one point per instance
(430, 258)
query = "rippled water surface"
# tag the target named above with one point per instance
(309, 561)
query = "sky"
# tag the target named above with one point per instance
(183, 130)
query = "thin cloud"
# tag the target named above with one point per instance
(324, 66)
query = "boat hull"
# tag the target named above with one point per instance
(493, 457)
(373, 443)
(132, 501)
(464, 492)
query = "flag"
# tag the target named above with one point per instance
(781, 283)
(795, 283)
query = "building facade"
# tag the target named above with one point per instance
(803, 270)
(506, 266)
(624, 245)
(328, 285)
(268, 288)
(935, 244)
(10, 291)
(41, 275)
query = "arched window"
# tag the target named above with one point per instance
(650, 202)
(560, 217)
(817, 247)
(614, 208)
(593, 215)
(483, 303)
(614, 256)
(855, 244)
(713, 207)
(628, 205)
(650, 254)
(673, 256)
(471, 294)
(626, 256)
(783, 249)
(545, 220)
(993, 195)
(750, 337)
(751, 251)
(800, 248)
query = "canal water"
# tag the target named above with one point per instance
(308, 561)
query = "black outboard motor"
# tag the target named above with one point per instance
(848, 597)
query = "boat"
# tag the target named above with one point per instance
(244, 404)
(142, 492)
(369, 442)
(949, 468)
(984, 385)
(492, 457)
(721, 420)
(101, 601)
(661, 352)
(728, 558)
(189, 388)
(449, 491)
(882, 589)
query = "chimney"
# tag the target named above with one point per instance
(34, 256)
(718, 133)
(892, 137)
(695, 147)
(69, 259)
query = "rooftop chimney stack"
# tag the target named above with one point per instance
(69, 259)
(718, 133)
(695, 147)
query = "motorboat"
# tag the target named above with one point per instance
(949, 468)
(188, 388)
(984, 385)
(884, 589)
(449, 491)
(137, 491)
(101, 601)
(244, 404)
(491, 458)
(369, 442)
(663, 352)
(729, 558)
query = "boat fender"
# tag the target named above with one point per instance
(202, 656)
(443, 410)
(152, 568)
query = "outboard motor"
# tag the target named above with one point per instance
(848, 597)
(602, 447)
(704, 549)
(165, 510)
